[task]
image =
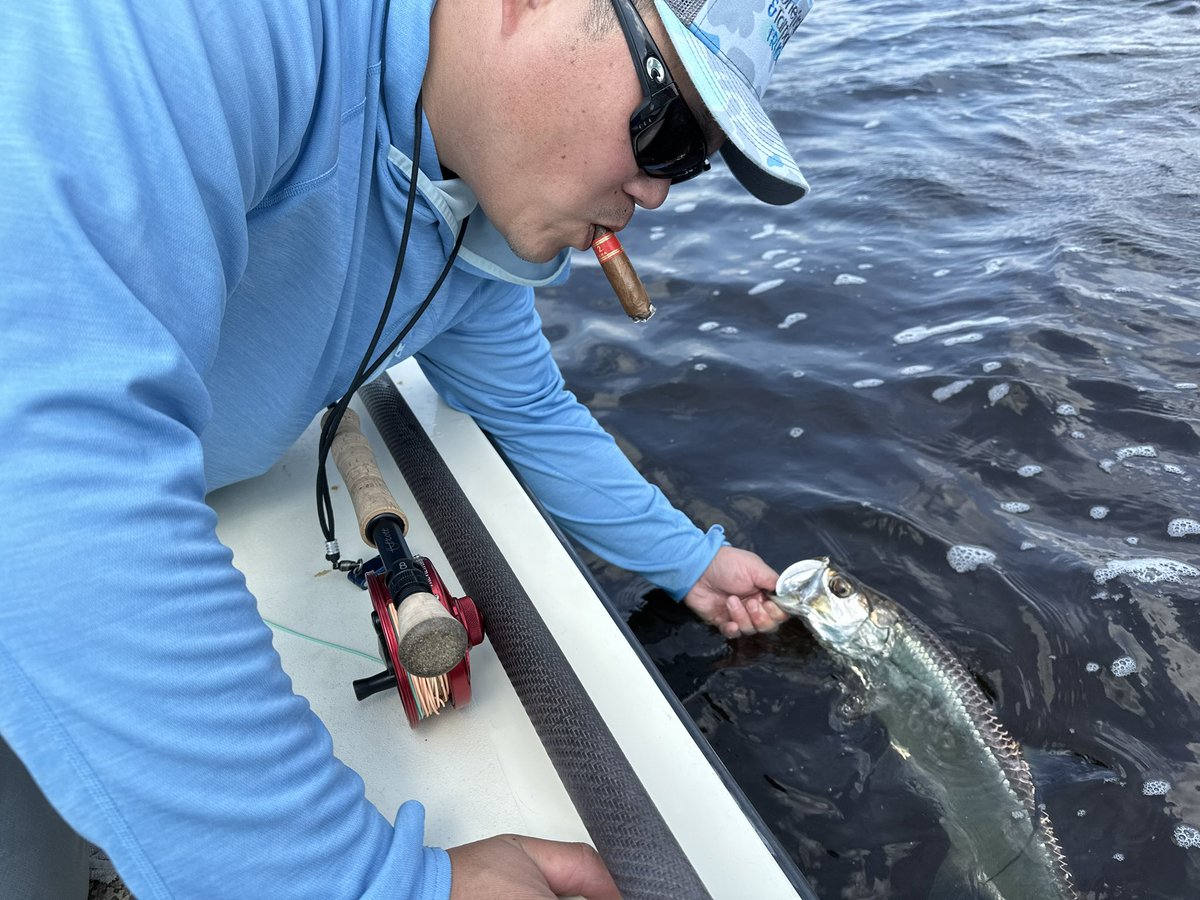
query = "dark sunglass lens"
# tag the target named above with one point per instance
(673, 145)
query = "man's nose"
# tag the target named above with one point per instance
(647, 192)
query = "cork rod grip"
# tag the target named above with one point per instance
(621, 275)
(354, 458)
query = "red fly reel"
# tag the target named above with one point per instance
(421, 697)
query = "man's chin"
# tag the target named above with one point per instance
(531, 253)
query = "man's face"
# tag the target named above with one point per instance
(564, 162)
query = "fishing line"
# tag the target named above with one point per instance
(366, 368)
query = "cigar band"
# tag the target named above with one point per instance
(607, 246)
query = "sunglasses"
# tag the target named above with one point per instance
(667, 140)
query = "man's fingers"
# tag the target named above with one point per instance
(739, 616)
(777, 615)
(570, 869)
(751, 616)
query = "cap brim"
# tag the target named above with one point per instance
(754, 151)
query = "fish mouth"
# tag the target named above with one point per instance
(799, 584)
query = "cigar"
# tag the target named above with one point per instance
(625, 282)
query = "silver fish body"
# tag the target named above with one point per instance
(1003, 845)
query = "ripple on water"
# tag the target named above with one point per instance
(921, 332)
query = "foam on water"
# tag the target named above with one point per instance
(791, 319)
(1155, 787)
(1027, 545)
(973, 338)
(1172, 469)
(1092, 667)
(1107, 464)
(921, 332)
(998, 392)
(1078, 435)
(846, 278)
(990, 366)
(1145, 450)
(728, 329)
(947, 391)
(789, 262)
(1066, 409)
(969, 557)
(796, 432)
(765, 286)
(1098, 512)
(708, 326)
(868, 382)
(1132, 541)
(916, 370)
(1186, 385)
(685, 207)
(941, 273)
(1124, 666)
(1148, 569)
(767, 231)
(1186, 837)
(1015, 506)
(1029, 471)
(1182, 527)
(700, 367)
(1119, 857)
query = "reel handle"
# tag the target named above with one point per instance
(431, 641)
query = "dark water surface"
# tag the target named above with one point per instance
(1006, 194)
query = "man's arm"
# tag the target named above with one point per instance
(495, 364)
(140, 686)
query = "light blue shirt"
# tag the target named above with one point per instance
(201, 206)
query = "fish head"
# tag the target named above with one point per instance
(842, 614)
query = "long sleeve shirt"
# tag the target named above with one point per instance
(200, 206)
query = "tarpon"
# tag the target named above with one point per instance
(938, 718)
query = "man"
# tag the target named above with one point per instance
(202, 208)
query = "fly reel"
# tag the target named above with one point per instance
(421, 697)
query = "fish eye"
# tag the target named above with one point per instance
(840, 586)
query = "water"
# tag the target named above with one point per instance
(978, 332)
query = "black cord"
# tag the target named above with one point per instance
(366, 368)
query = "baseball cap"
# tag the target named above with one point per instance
(729, 48)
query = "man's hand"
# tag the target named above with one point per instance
(516, 867)
(732, 594)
